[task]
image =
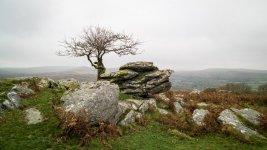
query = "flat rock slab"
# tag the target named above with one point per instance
(248, 114)
(139, 66)
(33, 116)
(227, 117)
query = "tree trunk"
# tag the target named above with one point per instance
(101, 68)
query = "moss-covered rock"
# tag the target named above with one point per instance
(140, 79)
(119, 75)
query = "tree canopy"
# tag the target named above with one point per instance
(95, 42)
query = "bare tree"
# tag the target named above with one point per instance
(95, 42)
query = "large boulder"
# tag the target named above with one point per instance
(140, 79)
(99, 100)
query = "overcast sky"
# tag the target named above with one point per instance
(176, 34)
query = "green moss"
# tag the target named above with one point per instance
(179, 134)
(122, 72)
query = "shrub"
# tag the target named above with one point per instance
(263, 121)
(210, 90)
(263, 89)
(172, 99)
(239, 88)
(181, 122)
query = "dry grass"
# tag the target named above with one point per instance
(263, 121)
(226, 99)
(142, 121)
(77, 125)
(183, 122)
(217, 103)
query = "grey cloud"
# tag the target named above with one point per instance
(178, 34)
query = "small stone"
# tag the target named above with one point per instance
(129, 118)
(33, 116)
(202, 104)
(177, 107)
(163, 111)
(146, 104)
(183, 104)
(199, 115)
(8, 104)
(13, 100)
(163, 97)
(122, 108)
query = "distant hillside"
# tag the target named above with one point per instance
(216, 77)
(54, 72)
(180, 79)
